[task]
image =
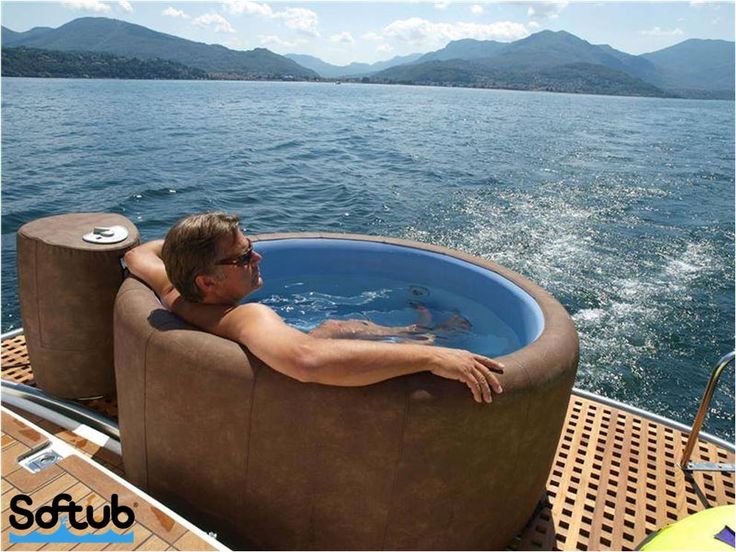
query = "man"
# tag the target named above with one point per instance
(207, 265)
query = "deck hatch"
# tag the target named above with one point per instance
(40, 458)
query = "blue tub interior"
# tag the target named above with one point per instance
(387, 277)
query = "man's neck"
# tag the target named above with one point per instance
(217, 300)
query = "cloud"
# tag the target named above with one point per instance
(441, 4)
(89, 5)
(658, 31)
(238, 7)
(546, 10)
(220, 24)
(125, 5)
(273, 40)
(384, 48)
(343, 37)
(371, 36)
(299, 19)
(476, 9)
(417, 31)
(172, 12)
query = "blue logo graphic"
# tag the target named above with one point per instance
(62, 534)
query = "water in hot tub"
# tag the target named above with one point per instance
(446, 318)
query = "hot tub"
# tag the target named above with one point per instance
(409, 463)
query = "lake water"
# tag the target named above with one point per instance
(623, 208)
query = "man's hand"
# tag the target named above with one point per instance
(475, 371)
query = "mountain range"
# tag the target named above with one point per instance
(119, 38)
(693, 68)
(330, 71)
(547, 60)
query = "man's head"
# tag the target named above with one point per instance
(204, 257)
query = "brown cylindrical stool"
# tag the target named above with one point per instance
(67, 292)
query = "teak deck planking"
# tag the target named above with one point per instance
(88, 485)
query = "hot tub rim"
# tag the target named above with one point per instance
(558, 340)
(537, 385)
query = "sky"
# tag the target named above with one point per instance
(368, 31)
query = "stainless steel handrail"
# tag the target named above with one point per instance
(685, 462)
(69, 409)
(656, 418)
(12, 333)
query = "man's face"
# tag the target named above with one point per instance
(234, 281)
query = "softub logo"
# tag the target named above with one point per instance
(48, 517)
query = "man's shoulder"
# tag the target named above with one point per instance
(252, 321)
(256, 310)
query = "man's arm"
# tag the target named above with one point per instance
(344, 362)
(145, 263)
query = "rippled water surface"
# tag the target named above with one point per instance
(622, 208)
(410, 313)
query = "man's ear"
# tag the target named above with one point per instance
(205, 283)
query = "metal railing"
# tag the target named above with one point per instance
(68, 409)
(686, 464)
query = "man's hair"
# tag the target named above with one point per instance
(191, 248)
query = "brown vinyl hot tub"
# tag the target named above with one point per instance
(409, 463)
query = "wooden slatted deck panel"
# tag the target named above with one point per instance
(88, 485)
(16, 367)
(615, 477)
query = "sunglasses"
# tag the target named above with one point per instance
(240, 260)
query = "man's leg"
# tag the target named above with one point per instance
(365, 329)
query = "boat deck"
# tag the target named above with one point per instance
(614, 480)
(155, 528)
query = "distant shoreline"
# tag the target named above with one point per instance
(358, 82)
(544, 61)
